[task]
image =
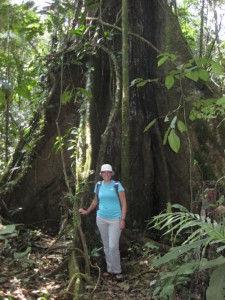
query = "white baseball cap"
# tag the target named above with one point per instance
(106, 167)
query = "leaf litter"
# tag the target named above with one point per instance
(33, 265)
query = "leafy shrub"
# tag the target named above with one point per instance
(191, 259)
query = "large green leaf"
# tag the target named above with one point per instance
(184, 269)
(175, 252)
(174, 141)
(216, 289)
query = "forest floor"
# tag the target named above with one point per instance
(34, 265)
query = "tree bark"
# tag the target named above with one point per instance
(157, 174)
(125, 130)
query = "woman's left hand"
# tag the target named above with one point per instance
(122, 224)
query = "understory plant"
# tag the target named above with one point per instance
(194, 266)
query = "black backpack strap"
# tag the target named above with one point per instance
(116, 186)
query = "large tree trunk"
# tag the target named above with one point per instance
(35, 184)
(157, 174)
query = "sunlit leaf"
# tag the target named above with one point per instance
(162, 60)
(201, 61)
(78, 31)
(221, 101)
(217, 68)
(166, 119)
(165, 57)
(66, 96)
(181, 126)
(203, 74)
(173, 122)
(169, 82)
(174, 141)
(193, 75)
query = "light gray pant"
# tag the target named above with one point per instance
(110, 234)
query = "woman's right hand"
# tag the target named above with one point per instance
(83, 211)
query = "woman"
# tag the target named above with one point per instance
(111, 217)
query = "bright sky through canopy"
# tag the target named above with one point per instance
(39, 3)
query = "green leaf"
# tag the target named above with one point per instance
(169, 82)
(216, 289)
(180, 207)
(18, 255)
(173, 122)
(193, 75)
(208, 264)
(143, 83)
(184, 269)
(175, 252)
(66, 96)
(166, 136)
(96, 252)
(164, 57)
(8, 229)
(150, 125)
(203, 74)
(221, 101)
(136, 81)
(162, 60)
(181, 126)
(201, 61)
(78, 31)
(217, 68)
(23, 90)
(140, 82)
(174, 141)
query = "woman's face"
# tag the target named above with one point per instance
(106, 175)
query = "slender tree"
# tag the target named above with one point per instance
(125, 97)
(201, 29)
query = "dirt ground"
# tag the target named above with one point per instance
(33, 265)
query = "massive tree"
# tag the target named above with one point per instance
(84, 105)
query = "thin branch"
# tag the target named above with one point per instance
(129, 33)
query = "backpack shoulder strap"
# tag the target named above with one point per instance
(99, 183)
(116, 186)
